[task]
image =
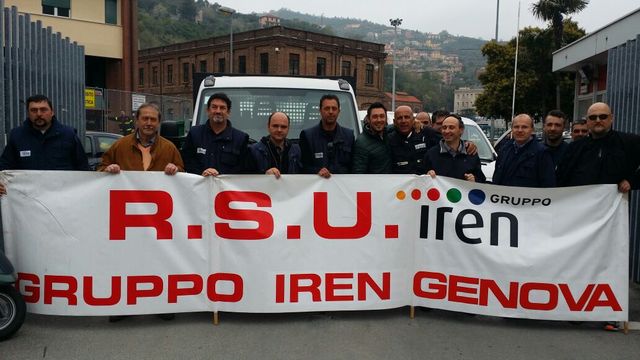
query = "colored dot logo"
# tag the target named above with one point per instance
(475, 196)
(454, 195)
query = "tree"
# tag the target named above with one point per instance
(554, 11)
(536, 84)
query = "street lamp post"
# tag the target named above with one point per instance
(227, 11)
(395, 23)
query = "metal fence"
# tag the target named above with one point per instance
(113, 110)
(35, 60)
(623, 95)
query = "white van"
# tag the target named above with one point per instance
(254, 98)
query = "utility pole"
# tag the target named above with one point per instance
(497, 18)
(395, 23)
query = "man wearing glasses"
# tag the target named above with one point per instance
(605, 156)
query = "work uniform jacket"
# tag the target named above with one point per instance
(529, 165)
(328, 149)
(408, 151)
(265, 157)
(227, 152)
(58, 148)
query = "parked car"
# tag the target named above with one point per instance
(96, 143)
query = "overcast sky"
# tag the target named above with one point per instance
(474, 18)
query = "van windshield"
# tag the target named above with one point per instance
(251, 107)
(475, 135)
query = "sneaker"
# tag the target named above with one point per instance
(611, 326)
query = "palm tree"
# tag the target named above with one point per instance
(555, 10)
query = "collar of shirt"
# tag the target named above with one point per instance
(518, 147)
(446, 148)
(151, 141)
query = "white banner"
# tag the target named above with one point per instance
(139, 243)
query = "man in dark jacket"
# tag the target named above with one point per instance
(523, 161)
(371, 152)
(605, 156)
(216, 147)
(408, 147)
(275, 154)
(42, 143)
(553, 128)
(327, 147)
(451, 158)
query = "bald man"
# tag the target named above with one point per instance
(523, 161)
(605, 156)
(424, 118)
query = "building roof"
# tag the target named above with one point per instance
(404, 97)
(594, 46)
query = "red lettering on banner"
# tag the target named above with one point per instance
(238, 287)
(133, 292)
(119, 220)
(440, 288)
(527, 288)
(571, 302)
(364, 280)
(69, 293)
(114, 298)
(313, 287)
(520, 294)
(31, 293)
(507, 302)
(330, 286)
(279, 288)
(312, 284)
(174, 290)
(609, 301)
(357, 231)
(455, 288)
(262, 218)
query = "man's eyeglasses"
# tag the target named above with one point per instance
(595, 117)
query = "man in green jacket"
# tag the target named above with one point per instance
(371, 153)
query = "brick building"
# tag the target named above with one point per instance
(168, 70)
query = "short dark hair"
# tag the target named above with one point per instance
(459, 118)
(578, 122)
(149, 105)
(376, 105)
(555, 113)
(439, 114)
(273, 113)
(38, 98)
(329, 97)
(220, 96)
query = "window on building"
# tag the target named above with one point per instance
(368, 74)
(154, 75)
(346, 68)
(221, 65)
(185, 72)
(294, 64)
(321, 66)
(57, 7)
(203, 66)
(242, 64)
(140, 76)
(264, 63)
(111, 12)
(170, 74)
